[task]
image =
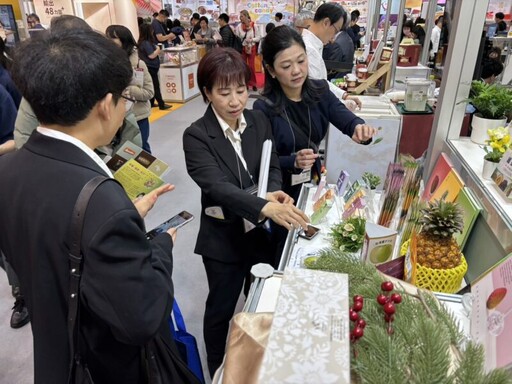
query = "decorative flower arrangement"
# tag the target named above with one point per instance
(497, 145)
(371, 180)
(348, 235)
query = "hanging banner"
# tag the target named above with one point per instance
(146, 8)
(262, 12)
(46, 9)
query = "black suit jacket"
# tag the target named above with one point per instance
(214, 165)
(126, 287)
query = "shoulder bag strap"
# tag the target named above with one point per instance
(75, 266)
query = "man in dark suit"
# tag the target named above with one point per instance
(126, 290)
(222, 152)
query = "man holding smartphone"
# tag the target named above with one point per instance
(126, 290)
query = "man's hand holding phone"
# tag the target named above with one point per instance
(174, 233)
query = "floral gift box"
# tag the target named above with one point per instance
(309, 339)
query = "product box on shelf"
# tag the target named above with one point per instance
(502, 175)
(310, 330)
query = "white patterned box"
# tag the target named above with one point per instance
(309, 339)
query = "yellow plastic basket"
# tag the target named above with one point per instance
(439, 280)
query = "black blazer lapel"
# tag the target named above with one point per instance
(224, 149)
(251, 147)
(61, 150)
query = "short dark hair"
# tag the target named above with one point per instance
(155, 14)
(355, 12)
(279, 15)
(353, 17)
(195, 16)
(269, 27)
(408, 24)
(419, 20)
(491, 68)
(140, 20)
(277, 40)
(124, 35)
(164, 12)
(499, 15)
(68, 22)
(224, 16)
(34, 16)
(203, 18)
(146, 33)
(221, 66)
(46, 75)
(332, 11)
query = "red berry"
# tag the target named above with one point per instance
(358, 332)
(389, 318)
(361, 323)
(396, 298)
(354, 316)
(381, 299)
(358, 298)
(387, 286)
(389, 308)
(357, 306)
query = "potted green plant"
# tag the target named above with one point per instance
(497, 144)
(493, 102)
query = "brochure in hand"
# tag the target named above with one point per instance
(138, 171)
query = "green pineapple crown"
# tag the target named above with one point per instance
(442, 218)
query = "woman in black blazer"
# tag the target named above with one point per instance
(300, 109)
(222, 153)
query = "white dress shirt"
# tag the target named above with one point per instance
(234, 137)
(316, 63)
(435, 38)
(70, 139)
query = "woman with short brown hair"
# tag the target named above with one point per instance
(222, 153)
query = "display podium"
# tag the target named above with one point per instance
(178, 74)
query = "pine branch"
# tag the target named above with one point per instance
(426, 344)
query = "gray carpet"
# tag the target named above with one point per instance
(16, 364)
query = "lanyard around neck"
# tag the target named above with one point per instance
(293, 133)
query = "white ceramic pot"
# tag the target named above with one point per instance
(481, 125)
(488, 169)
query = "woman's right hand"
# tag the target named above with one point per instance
(286, 215)
(305, 158)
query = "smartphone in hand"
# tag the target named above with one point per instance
(309, 233)
(177, 221)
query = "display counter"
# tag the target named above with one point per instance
(491, 237)
(178, 73)
(264, 292)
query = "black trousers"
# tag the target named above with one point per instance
(225, 282)
(156, 85)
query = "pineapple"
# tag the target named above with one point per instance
(436, 247)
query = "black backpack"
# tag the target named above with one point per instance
(237, 43)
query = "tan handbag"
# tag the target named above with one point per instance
(245, 348)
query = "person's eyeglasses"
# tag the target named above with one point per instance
(336, 30)
(128, 103)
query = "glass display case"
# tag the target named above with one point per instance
(178, 73)
(491, 238)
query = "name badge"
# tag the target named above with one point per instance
(302, 177)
